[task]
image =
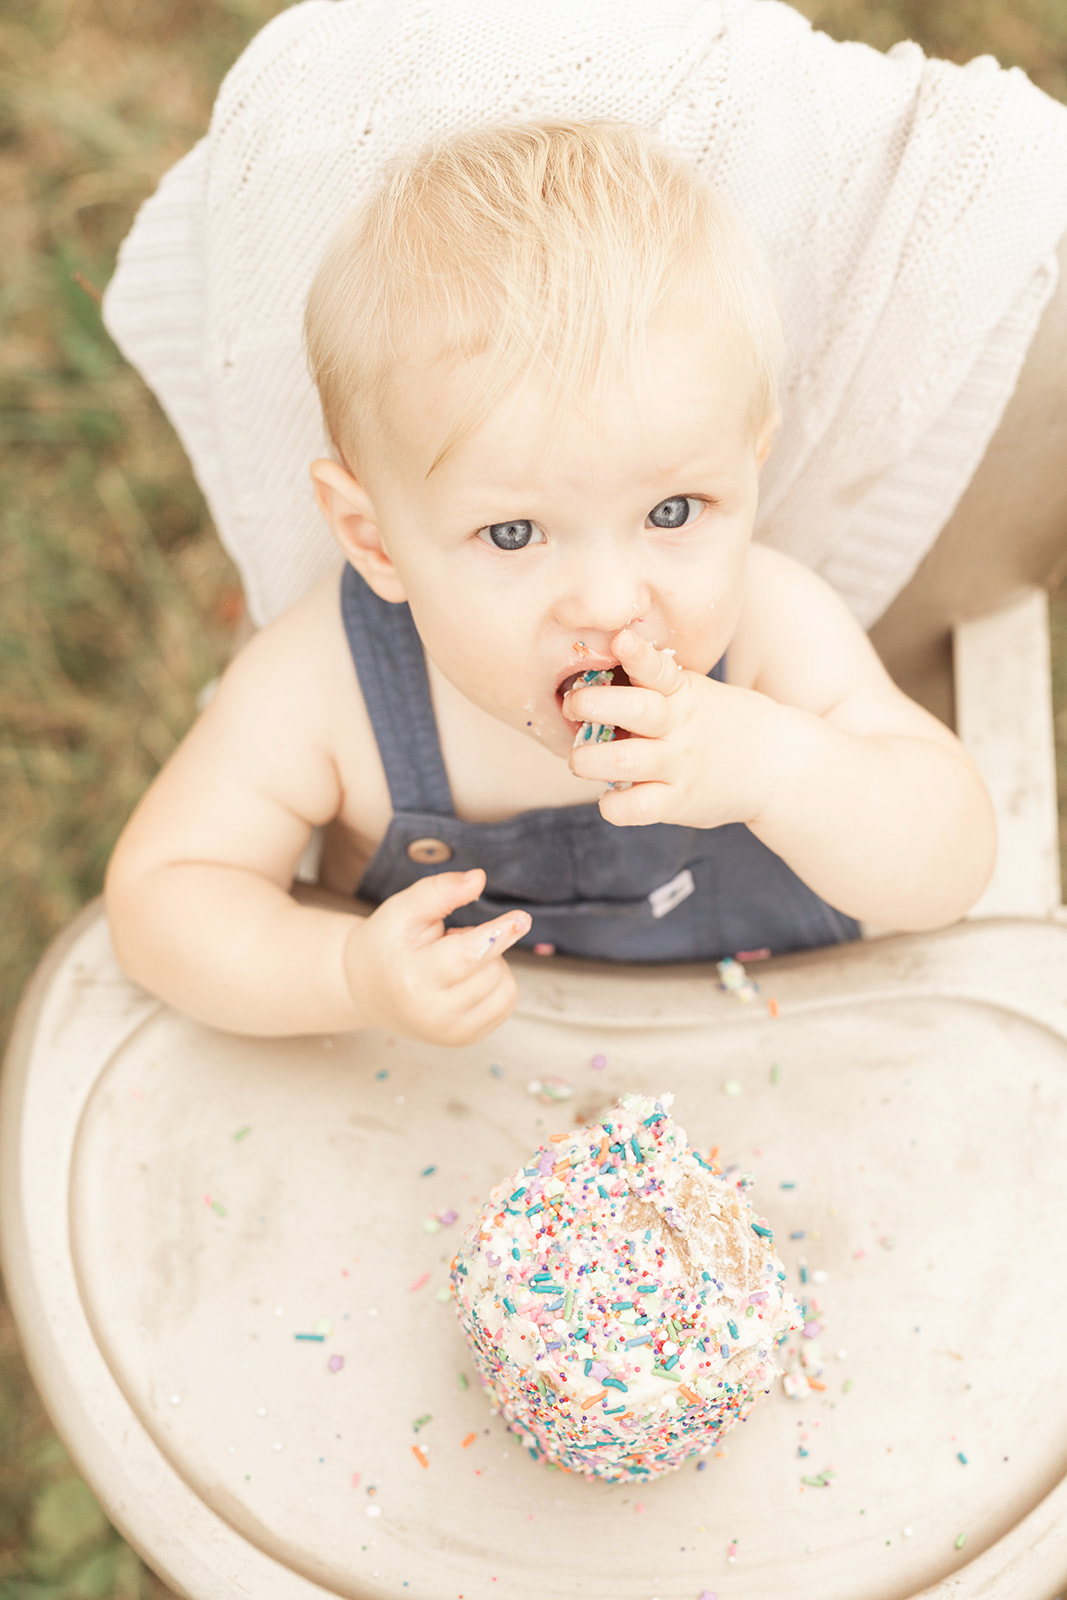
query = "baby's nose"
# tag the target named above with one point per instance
(602, 594)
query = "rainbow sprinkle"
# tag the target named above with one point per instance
(627, 1312)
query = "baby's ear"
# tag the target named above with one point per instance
(765, 437)
(348, 509)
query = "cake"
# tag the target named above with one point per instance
(623, 1301)
(594, 732)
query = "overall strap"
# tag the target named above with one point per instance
(391, 667)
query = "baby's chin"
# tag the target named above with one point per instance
(552, 733)
(545, 725)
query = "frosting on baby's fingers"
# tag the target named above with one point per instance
(647, 666)
(496, 937)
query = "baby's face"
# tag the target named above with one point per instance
(521, 565)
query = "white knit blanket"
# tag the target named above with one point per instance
(910, 210)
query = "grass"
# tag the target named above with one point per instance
(116, 601)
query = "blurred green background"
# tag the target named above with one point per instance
(116, 603)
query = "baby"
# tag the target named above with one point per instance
(547, 357)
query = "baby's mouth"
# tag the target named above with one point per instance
(599, 676)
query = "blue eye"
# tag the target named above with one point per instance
(674, 513)
(509, 535)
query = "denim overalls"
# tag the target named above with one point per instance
(658, 893)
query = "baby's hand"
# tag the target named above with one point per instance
(700, 753)
(405, 972)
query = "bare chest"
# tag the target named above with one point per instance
(493, 771)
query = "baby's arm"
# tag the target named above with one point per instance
(198, 887)
(871, 800)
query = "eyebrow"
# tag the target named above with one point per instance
(676, 477)
(694, 470)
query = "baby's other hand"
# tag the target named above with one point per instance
(700, 753)
(407, 972)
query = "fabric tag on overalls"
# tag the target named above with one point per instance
(669, 895)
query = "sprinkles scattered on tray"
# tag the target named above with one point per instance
(550, 1088)
(735, 980)
(623, 1302)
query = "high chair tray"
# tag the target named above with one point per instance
(217, 1252)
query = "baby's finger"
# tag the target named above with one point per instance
(423, 906)
(621, 761)
(636, 710)
(646, 666)
(489, 1010)
(469, 948)
(637, 807)
(470, 995)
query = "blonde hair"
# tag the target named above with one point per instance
(547, 245)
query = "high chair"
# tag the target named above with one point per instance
(227, 1263)
(228, 1258)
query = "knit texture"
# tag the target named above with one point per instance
(910, 210)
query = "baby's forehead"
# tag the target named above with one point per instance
(689, 431)
(680, 380)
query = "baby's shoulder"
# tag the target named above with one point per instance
(796, 639)
(294, 681)
(301, 645)
(289, 721)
